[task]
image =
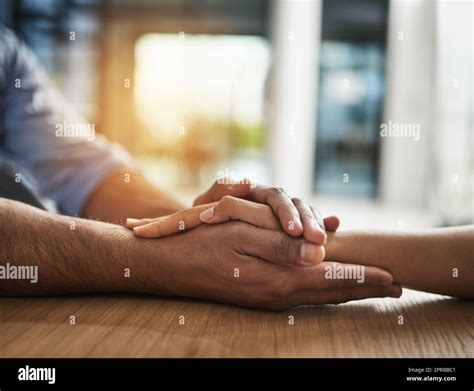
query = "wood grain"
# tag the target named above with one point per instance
(147, 326)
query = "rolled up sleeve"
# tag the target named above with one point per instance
(43, 133)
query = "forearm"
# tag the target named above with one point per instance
(438, 260)
(73, 255)
(125, 195)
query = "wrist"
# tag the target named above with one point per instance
(144, 264)
(124, 195)
(334, 245)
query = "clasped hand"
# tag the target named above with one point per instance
(283, 236)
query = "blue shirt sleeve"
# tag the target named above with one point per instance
(46, 136)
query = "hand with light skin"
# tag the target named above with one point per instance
(257, 205)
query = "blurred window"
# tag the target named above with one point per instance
(181, 80)
(350, 103)
(208, 88)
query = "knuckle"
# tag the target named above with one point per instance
(238, 229)
(223, 204)
(315, 211)
(227, 200)
(286, 284)
(280, 248)
(277, 191)
(303, 208)
(281, 286)
(297, 200)
(306, 214)
(227, 204)
(274, 294)
(219, 182)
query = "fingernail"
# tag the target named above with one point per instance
(129, 220)
(386, 279)
(207, 214)
(323, 233)
(395, 291)
(311, 253)
(325, 238)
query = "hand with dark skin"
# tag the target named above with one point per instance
(245, 265)
(425, 261)
(248, 203)
(296, 217)
(234, 262)
(227, 209)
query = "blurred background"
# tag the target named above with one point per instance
(289, 93)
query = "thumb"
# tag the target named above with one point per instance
(331, 223)
(221, 188)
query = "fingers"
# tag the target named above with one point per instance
(221, 188)
(281, 205)
(180, 221)
(231, 208)
(132, 223)
(331, 223)
(338, 296)
(334, 275)
(313, 225)
(296, 217)
(279, 248)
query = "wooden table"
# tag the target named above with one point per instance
(147, 326)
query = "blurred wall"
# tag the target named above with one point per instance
(409, 100)
(430, 83)
(452, 190)
(295, 33)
